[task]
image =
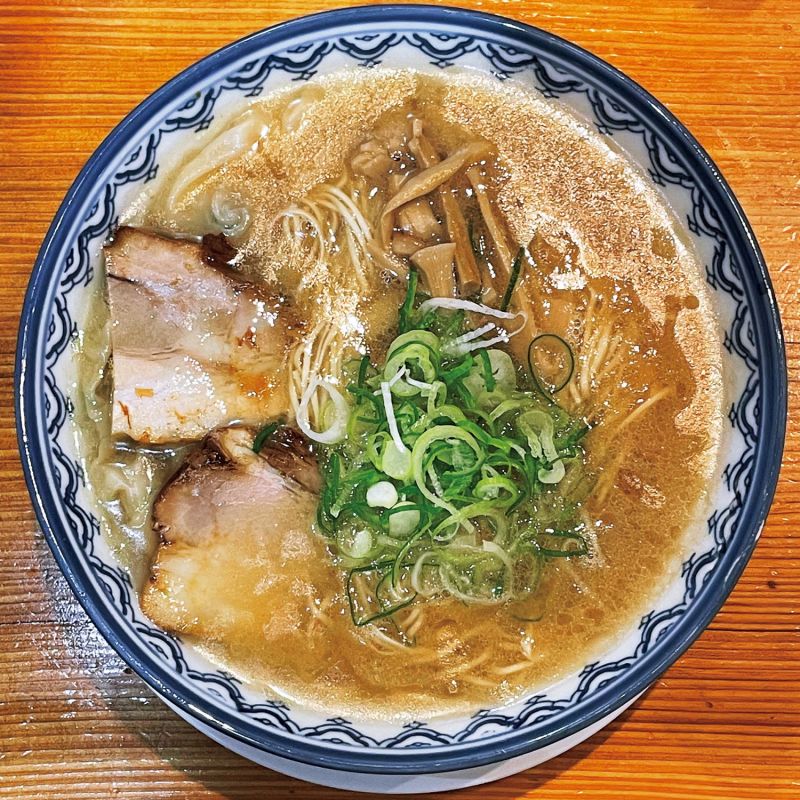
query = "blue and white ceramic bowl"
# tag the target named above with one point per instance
(428, 754)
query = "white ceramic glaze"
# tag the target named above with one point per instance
(402, 784)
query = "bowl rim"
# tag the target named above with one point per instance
(769, 446)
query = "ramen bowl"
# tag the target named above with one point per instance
(432, 753)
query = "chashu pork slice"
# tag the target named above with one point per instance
(195, 346)
(238, 560)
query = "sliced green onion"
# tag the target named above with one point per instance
(357, 545)
(502, 491)
(562, 544)
(554, 474)
(362, 371)
(488, 375)
(382, 495)
(450, 478)
(551, 363)
(396, 463)
(263, 435)
(406, 309)
(390, 417)
(337, 429)
(403, 519)
(516, 268)
(381, 607)
(538, 427)
(461, 370)
(412, 352)
(447, 433)
(496, 550)
(494, 381)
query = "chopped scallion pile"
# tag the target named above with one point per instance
(457, 475)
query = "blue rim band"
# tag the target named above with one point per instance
(772, 411)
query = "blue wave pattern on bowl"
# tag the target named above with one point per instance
(554, 79)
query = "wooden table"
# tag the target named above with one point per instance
(724, 722)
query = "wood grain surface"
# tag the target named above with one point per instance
(723, 722)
